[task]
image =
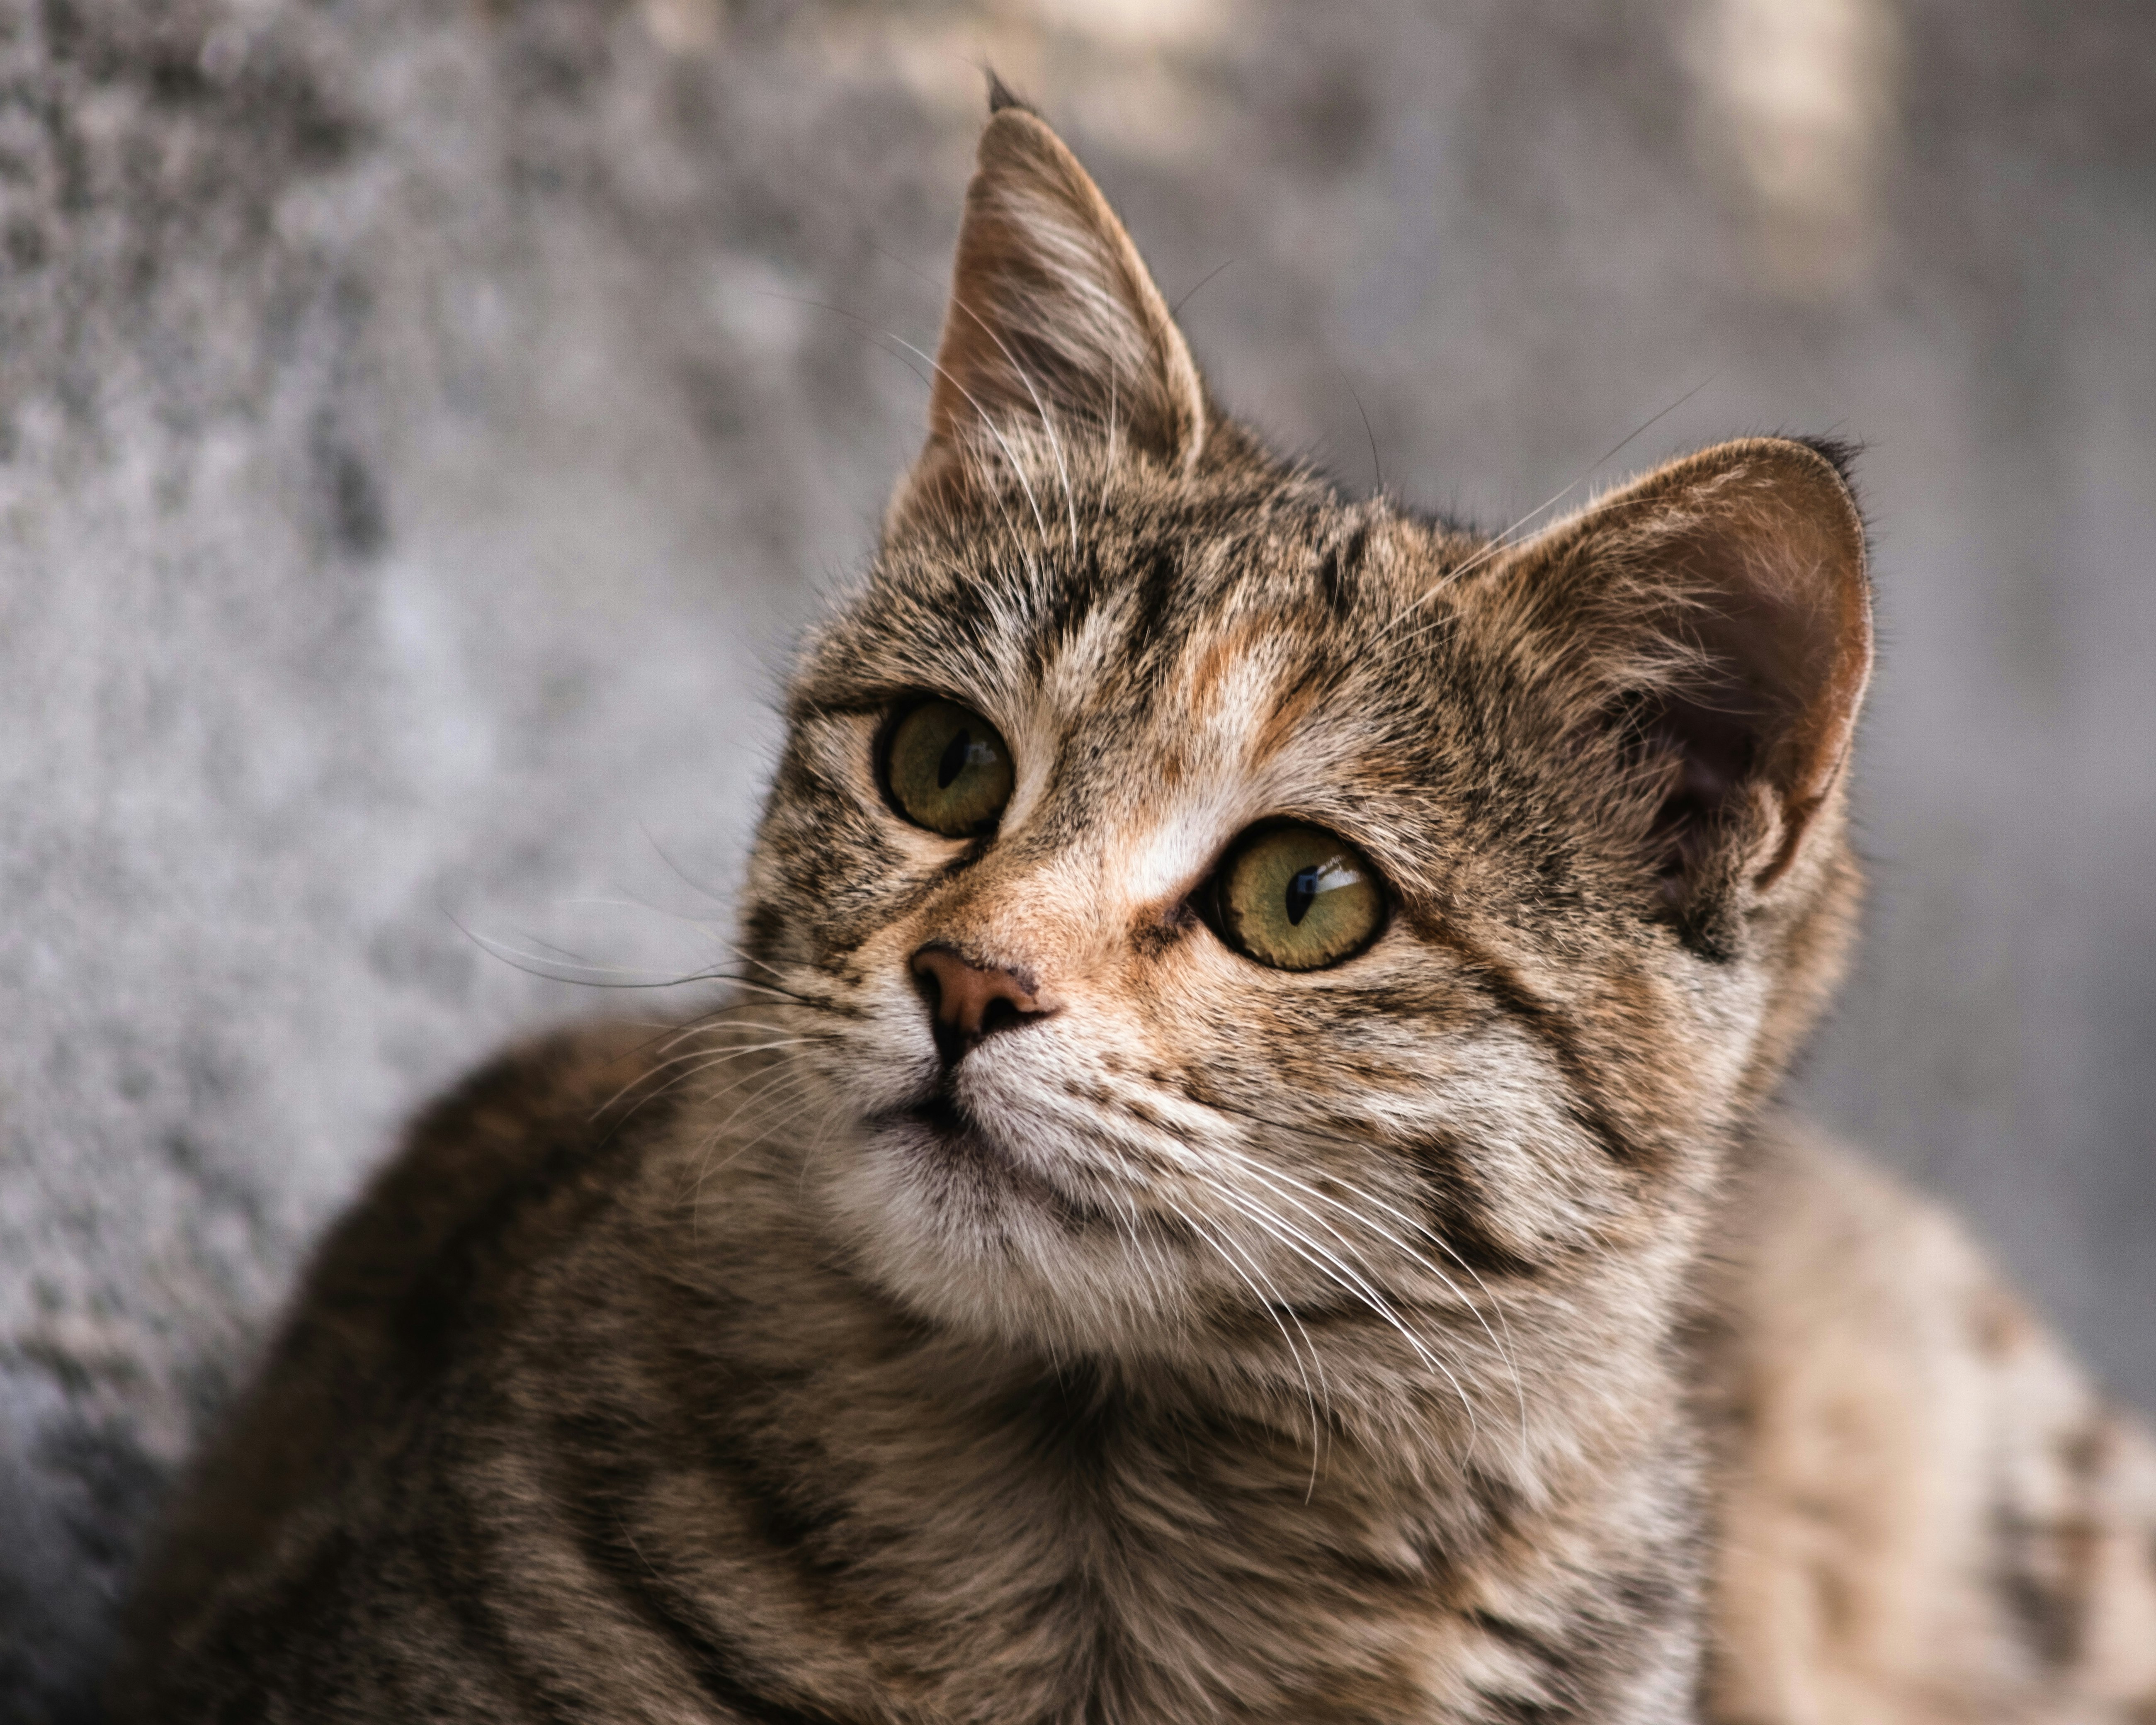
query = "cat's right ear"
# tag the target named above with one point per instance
(1714, 621)
(1055, 332)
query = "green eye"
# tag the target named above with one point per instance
(1298, 898)
(948, 770)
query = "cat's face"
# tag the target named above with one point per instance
(1221, 910)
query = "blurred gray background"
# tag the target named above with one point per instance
(418, 448)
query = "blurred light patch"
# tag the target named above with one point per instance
(1797, 110)
(1118, 72)
(683, 26)
(1132, 25)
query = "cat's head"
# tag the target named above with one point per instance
(1226, 909)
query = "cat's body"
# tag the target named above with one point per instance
(740, 1483)
(464, 1506)
(1074, 1281)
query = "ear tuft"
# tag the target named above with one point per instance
(1055, 333)
(1001, 97)
(1838, 453)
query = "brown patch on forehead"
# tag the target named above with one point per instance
(1292, 709)
(1255, 639)
(1219, 658)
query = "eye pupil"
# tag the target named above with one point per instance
(1301, 891)
(956, 758)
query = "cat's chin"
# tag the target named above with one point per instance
(965, 1227)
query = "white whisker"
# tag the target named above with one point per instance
(1274, 1177)
(1504, 541)
(1269, 1298)
(987, 424)
(1312, 1253)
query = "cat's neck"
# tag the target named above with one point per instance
(1169, 1523)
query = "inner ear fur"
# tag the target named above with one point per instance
(1056, 332)
(1714, 621)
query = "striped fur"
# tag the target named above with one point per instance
(1434, 1337)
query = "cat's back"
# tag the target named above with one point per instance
(1927, 1513)
(399, 1332)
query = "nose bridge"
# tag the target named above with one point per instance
(1043, 916)
(1118, 826)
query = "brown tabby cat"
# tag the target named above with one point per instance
(1239, 1183)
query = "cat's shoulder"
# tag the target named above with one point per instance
(542, 1116)
(433, 1263)
(491, 1179)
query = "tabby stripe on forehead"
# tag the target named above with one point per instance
(1554, 1029)
(1065, 617)
(1157, 589)
(1335, 570)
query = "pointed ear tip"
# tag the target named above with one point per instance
(1001, 96)
(1821, 469)
(1831, 464)
(1018, 149)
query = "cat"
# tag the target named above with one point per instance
(1239, 1179)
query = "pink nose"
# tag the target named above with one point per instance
(969, 1001)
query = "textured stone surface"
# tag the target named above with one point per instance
(422, 426)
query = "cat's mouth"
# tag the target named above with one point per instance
(943, 1127)
(953, 1133)
(945, 1114)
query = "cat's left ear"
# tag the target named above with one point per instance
(1056, 332)
(1715, 618)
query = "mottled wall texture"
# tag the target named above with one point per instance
(425, 423)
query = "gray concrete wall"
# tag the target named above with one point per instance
(417, 447)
